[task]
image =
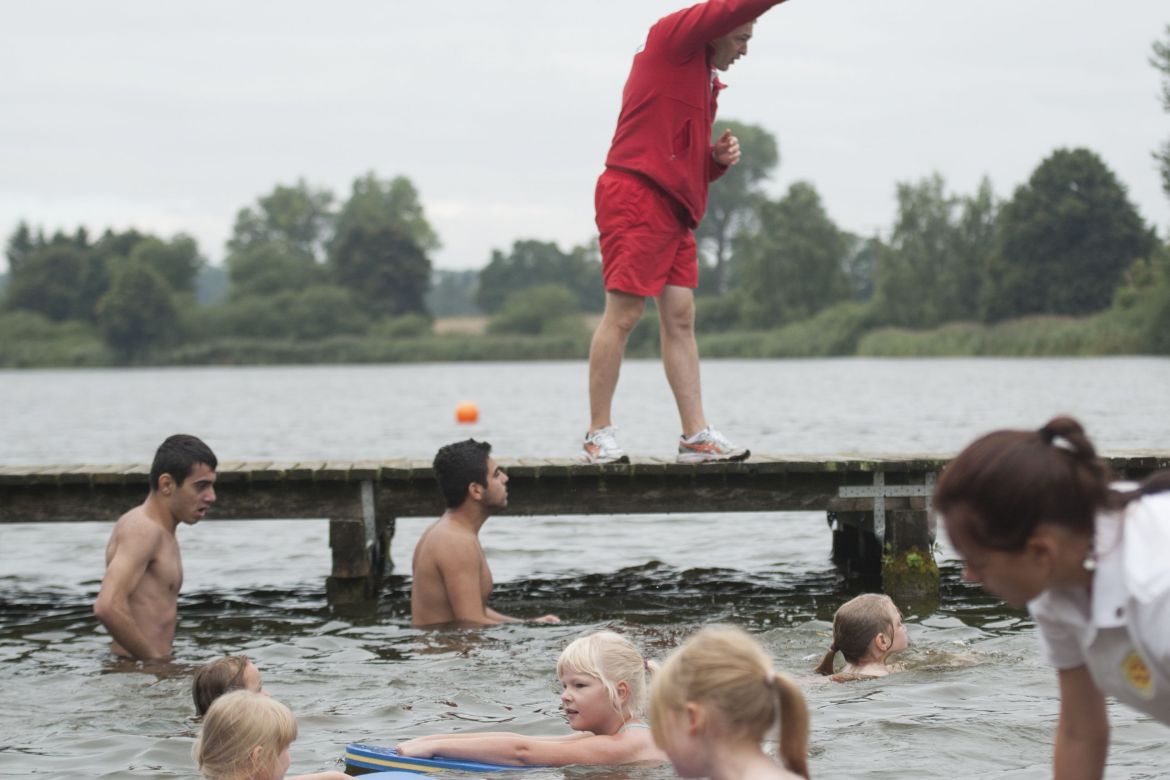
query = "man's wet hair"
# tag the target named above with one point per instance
(458, 465)
(178, 456)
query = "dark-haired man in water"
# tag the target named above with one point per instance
(139, 597)
(451, 581)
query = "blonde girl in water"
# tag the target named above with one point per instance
(867, 630)
(246, 736)
(714, 700)
(603, 680)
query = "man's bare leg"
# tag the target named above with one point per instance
(680, 355)
(622, 312)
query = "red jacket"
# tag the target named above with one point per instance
(668, 105)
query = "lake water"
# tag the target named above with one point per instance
(975, 698)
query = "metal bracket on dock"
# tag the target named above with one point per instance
(880, 491)
(368, 517)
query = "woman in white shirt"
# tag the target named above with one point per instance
(1039, 521)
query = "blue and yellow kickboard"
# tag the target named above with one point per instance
(371, 758)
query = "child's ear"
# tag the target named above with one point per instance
(623, 691)
(695, 718)
(883, 642)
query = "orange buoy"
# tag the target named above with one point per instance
(466, 412)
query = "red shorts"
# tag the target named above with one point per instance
(645, 241)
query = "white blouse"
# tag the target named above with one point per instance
(1120, 629)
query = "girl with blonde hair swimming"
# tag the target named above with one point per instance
(714, 699)
(246, 736)
(603, 680)
(867, 630)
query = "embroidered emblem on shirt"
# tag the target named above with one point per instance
(1137, 675)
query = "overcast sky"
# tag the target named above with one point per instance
(171, 116)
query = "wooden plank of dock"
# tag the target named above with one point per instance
(879, 504)
(542, 486)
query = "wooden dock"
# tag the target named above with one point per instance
(878, 506)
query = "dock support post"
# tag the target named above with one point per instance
(361, 547)
(896, 541)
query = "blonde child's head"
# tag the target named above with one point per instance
(725, 680)
(855, 625)
(612, 659)
(244, 736)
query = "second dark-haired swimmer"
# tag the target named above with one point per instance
(451, 579)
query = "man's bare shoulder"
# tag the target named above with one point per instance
(444, 540)
(139, 526)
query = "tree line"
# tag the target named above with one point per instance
(304, 266)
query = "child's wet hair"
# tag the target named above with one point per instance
(855, 624)
(236, 724)
(216, 678)
(727, 671)
(611, 658)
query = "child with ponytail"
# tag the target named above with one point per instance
(713, 701)
(866, 630)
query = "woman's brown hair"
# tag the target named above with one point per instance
(1007, 483)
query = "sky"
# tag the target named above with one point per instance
(172, 116)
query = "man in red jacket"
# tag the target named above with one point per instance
(649, 200)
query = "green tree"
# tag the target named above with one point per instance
(20, 244)
(1161, 61)
(932, 270)
(47, 281)
(542, 309)
(385, 269)
(178, 261)
(537, 263)
(374, 204)
(379, 251)
(299, 217)
(271, 267)
(312, 313)
(138, 314)
(733, 200)
(325, 310)
(793, 266)
(1065, 239)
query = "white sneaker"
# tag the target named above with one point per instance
(709, 445)
(601, 447)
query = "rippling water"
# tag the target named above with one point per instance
(975, 698)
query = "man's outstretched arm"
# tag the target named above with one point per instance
(687, 32)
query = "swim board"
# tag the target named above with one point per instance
(371, 758)
(396, 774)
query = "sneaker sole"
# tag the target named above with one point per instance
(704, 457)
(620, 459)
